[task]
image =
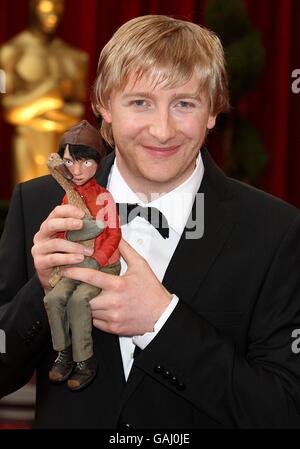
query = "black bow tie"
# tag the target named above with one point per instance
(127, 212)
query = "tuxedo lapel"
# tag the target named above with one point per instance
(108, 347)
(102, 176)
(193, 258)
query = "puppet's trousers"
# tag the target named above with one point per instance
(69, 314)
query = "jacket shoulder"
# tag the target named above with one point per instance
(39, 197)
(44, 185)
(265, 210)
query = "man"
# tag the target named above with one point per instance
(211, 312)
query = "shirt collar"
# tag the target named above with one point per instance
(176, 205)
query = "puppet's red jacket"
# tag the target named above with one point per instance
(102, 206)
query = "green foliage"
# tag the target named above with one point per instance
(245, 61)
(247, 157)
(245, 57)
(228, 19)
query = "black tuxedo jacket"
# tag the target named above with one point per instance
(224, 358)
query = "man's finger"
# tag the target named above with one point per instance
(128, 253)
(66, 211)
(51, 226)
(102, 325)
(93, 277)
(59, 245)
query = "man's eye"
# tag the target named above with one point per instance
(87, 163)
(68, 162)
(139, 103)
(185, 104)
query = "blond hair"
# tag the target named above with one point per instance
(167, 49)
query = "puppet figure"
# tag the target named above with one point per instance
(67, 303)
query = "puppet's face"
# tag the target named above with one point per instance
(82, 170)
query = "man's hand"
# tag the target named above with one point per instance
(49, 251)
(129, 304)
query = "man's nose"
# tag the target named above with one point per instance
(162, 126)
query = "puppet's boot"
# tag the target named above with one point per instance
(83, 374)
(62, 367)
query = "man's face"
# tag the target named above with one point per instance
(82, 170)
(158, 132)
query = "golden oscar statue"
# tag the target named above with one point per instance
(45, 88)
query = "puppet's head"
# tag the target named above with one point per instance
(82, 150)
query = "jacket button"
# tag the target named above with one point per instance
(167, 374)
(173, 380)
(124, 425)
(159, 369)
(28, 338)
(180, 385)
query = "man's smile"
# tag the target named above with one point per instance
(162, 151)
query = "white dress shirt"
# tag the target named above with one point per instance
(176, 205)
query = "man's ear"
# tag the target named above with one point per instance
(211, 121)
(105, 113)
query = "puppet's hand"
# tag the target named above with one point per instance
(91, 229)
(129, 304)
(49, 251)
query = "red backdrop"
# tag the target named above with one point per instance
(273, 108)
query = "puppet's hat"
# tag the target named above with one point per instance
(84, 134)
